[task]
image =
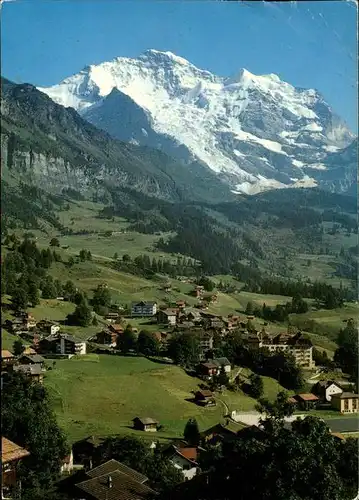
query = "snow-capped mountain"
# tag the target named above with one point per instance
(255, 132)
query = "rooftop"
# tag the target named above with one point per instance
(146, 420)
(29, 369)
(205, 393)
(115, 486)
(6, 354)
(307, 397)
(11, 451)
(113, 465)
(346, 395)
(35, 358)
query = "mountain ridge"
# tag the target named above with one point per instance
(255, 132)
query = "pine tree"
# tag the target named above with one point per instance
(191, 432)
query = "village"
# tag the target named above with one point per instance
(48, 342)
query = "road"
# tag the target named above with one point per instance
(344, 424)
(340, 424)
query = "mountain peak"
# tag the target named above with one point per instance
(164, 55)
(249, 129)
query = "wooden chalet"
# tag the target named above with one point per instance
(11, 456)
(205, 398)
(145, 424)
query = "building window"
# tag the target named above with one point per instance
(346, 405)
(355, 404)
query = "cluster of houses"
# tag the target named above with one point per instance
(44, 335)
(206, 326)
(29, 363)
(327, 394)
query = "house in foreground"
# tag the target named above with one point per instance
(33, 372)
(346, 402)
(145, 424)
(11, 456)
(114, 481)
(32, 359)
(7, 359)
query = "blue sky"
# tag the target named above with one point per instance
(309, 44)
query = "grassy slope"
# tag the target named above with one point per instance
(102, 394)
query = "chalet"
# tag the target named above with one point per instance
(197, 291)
(106, 337)
(221, 432)
(112, 316)
(205, 398)
(116, 328)
(143, 309)
(85, 450)
(32, 359)
(306, 401)
(210, 297)
(181, 304)
(11, 456)
(167, 316)
(345, 402)
(183, 459)
(114, 481)
(6, 357)
(48, 326)
(33, 372)
(208, 369)
(145, 424)
(222, 363)
(62, 343)
(325, 389)
(217, 324)
(194, 316)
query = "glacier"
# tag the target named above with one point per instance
(256, 132)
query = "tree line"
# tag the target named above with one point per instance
(325, 295)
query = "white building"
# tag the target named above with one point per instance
(184, 459)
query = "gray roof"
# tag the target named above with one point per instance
(113, 465)
(71, 338)
(146, 420)
(123, 487)
(346, 395)
(36, 358)
(221, 361)
(29, 369)
(143, 303)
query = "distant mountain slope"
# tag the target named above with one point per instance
(45, 144)
(254, 132)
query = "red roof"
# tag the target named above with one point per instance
(189, 453)
(307, 397)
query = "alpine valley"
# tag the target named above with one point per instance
(248, 175)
